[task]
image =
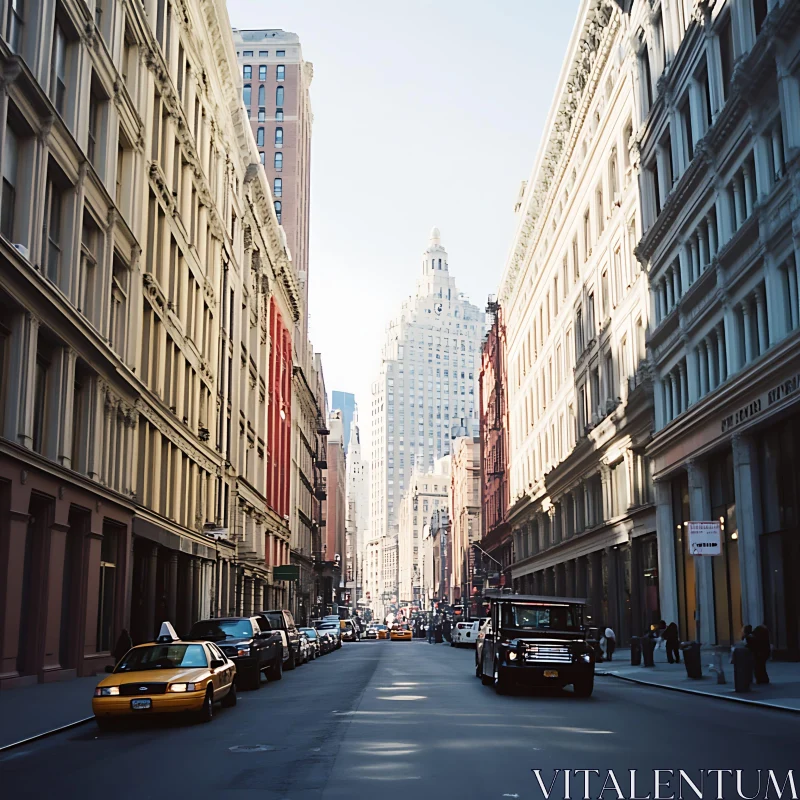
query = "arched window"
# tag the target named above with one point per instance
(263, 157)
(260, 137)
(280, 72)
(613, 181)
(278, 208)
(278, 136)
(277, 187)
(279, 96)
(262, 96)
(278, 161)
(246, 92)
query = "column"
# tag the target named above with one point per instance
(733, 357)
(561, 580)
(749, 353)
(738, 203)
(12, 561)
(580, 577)
(690, 387)
(172, 588)
(55, 582)
(675, 397)
(686, 267)
(662, 299)
(684, 386)
(258, 596)
(247, 607)
(702, 247)
(668, 288)
(150, 600)
(700, 510)
(196, 584)
(761, 317)
(676, 285)
(722, 370)
(658, 398)
(60, 398)
(570, 590)
(605, 480)
(22, 373)
(188, 618)
(695, 258)
(746, 475)
(777, 151)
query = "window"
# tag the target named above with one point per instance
(248, 53)
(278, 209)
(726, 55)
(278, 137)
(613, 180)
(262, 72)
(58, 70)
(600, 211)
(279, 96)
(587, 235)
(262, 96)
(686, 124)
(646, 80)
(52, 231)
(262, 157)
(119, 305)
(279, 115)
(575, 260)
(247, 72)
(16, 23)
(246, 95)
(280, 54)
(260, 137)
(278, 161)
(280, 72)
(759, 14)
(91, 256)
(262, 115)
(39, 408)
(10, 161)
(94, 126)
(604, 294)
(263, 53)
(277, 187)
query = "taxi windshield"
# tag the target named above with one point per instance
(540, 616)
(215, 630)
(163, 656)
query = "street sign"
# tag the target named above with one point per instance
(705, 538)
(289, 572)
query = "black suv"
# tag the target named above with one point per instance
(539, 641)
(247, 641)
(282, 620)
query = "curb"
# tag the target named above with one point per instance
(44, 735)
(758, 703)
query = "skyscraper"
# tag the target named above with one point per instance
(275, 81)
(357, 521)
(346, 403)
(426, 386)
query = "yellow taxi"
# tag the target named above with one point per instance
(383, 632)
(167, 676)
(401, 633)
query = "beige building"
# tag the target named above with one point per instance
(141, 257)
(465, 514)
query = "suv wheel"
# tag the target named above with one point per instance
(290, 663)
(275, 671)
(584, 686)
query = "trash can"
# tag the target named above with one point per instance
(742, 668)
(691, 659)
(648, 648)
(636, 651)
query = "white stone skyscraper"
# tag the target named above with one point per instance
(357, 522)
(427, 385)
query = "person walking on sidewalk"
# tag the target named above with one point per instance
(759, 644)
(671, 641)
(611, 642)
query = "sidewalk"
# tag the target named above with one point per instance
(782, 692)
(37, 709)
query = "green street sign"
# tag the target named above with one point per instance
(286, 573)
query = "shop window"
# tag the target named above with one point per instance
(684, 562)
(109, 551)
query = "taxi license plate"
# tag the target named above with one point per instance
(551, 673)
(141, 703)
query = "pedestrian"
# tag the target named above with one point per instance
(611, 642)
(431, 632)
(759, 644)
(660, 630)
(671, 641)
(446, 628)
(124, 643)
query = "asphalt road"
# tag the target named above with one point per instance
(409, 720)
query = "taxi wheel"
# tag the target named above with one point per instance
(207, 711)
(229, 701)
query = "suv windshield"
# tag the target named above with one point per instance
(540, 616)
(310, 632)
(163, 656)
(215, 630)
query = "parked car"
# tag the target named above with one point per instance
(313, 641)
(305, 648)
(168, 676)
(371, 632)
(349, 632)
(538, 641)
(282, 620)
(334, 630)
(464, 634)
(326, 642)
(248, 642)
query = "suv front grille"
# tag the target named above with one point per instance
(134, 689)
(550, 653)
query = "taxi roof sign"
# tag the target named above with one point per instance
(167, 633)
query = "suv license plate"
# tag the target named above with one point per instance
(141, 703)
(551, 673)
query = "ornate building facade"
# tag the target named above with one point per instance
(576, 308)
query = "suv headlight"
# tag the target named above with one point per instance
(243, 650)
(182, 687)
(106, 691)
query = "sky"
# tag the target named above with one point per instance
(426, 113)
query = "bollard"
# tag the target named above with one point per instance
(742, 668)
(691, 660)
(636, 651)
(648, 649)
(718, 668)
